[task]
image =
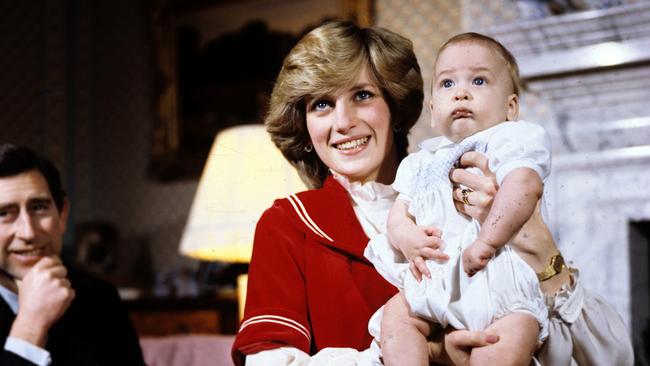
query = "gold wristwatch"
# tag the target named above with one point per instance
(554, 268)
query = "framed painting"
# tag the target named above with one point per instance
(216, 61)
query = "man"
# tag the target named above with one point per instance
(50, 315)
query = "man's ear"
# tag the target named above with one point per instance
(513, 108)
(63, 214)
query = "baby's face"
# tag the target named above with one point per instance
(471, 92)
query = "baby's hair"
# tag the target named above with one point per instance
(492, 43)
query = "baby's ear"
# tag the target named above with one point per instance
(513, 108)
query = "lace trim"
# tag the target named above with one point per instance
(369, 191)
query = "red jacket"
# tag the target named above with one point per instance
(309, 286)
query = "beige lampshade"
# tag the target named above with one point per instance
(244, 173)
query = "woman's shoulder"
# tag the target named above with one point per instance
(316, 199)
(320, 213)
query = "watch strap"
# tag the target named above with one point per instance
(554, 268)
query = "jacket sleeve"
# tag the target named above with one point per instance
(8, 358)
(276, 306)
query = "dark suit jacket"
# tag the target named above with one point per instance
(95, 329)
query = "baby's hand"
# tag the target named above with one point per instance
(418, 243)
(476, 257)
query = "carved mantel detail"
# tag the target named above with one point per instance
(587, 80)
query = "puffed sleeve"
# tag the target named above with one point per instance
(405, 177)
(276, 309)
(519, 144)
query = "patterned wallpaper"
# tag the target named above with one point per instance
(428, 24)
(77, 85)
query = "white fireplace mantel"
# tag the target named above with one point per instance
(587, 81)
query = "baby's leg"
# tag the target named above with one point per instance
(517, 333)
(403, 336)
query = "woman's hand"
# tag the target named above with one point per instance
(456, 346)
(483, 188)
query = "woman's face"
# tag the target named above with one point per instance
(351, 132)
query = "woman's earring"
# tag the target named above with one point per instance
(397, 128)
(309, 147)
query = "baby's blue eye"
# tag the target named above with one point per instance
(478, 81)
(447, 83)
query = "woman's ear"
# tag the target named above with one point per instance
(513, 108)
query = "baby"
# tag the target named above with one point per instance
(485, 283)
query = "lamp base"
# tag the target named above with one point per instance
(220, 274)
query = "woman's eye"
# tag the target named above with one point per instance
(447, 83)
(320, 105)
(363, 95)
(478, 81)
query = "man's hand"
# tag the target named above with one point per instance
(44, 294)
(476, 257)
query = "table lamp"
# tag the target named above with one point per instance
(243, 174)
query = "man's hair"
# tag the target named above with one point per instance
(328, 59)
(493, 44)
(15, 160)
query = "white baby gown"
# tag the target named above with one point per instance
(450, 297)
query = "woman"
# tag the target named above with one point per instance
(340, 112)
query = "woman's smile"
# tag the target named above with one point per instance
(352, 145)
(351, 132)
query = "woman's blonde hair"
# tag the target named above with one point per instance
(511, 62)
(327, 59)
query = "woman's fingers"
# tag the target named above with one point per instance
(473, 198)
(467, 338)
(476, 160)
(477, 212)
(459, 344)
(485, 184)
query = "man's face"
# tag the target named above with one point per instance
(31, 227)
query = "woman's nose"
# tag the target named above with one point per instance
(345, 117)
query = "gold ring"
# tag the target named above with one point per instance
(465, 195)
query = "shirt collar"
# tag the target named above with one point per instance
(369, 191)
(436, 143)
(10, 298)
